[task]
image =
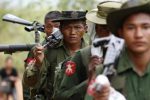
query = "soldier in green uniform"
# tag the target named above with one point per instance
(49, 24)
(73, 27)
(74, 83)
(132, 23)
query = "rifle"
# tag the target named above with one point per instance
(114, 48)
(30, 26)
(9, 49)
(51, 42)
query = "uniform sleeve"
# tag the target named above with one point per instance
(29, 56)
(59, 73)
(74, 87)
(32, 73)
(47, 78)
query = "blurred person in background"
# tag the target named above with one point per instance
(9, 76)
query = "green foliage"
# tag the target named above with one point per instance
(15, 34)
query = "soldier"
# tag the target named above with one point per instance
(132, 23)
(49, 25)
(74, 83)
(73, 27)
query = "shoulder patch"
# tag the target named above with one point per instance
(29, 60)
(70, 68)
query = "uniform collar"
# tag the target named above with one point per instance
(61, 45)
(125, 63)
(148, 69)
(83, 43)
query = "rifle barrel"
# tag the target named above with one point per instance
(14, 48)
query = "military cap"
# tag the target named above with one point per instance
(99, 15)
(72, 15)
(115, 19)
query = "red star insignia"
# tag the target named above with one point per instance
(29, 60)
(70, 68)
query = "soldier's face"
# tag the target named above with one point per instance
(102, 30)
(136, 32)
(56, 24)
(48, 28)
(73, 31)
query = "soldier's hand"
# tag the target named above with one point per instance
(103, 94)
(38, 54)
(94, 60)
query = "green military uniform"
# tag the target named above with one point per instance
(26, 89)
(74, 87)
(50, 16)
(128, 81)
(59, 72)
(53, 57)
